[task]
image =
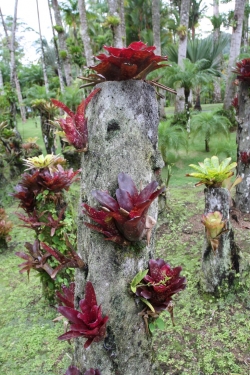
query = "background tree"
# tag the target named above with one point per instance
(63, 52)
(114, 21)
(236, 39)
(46, 82)
(84, 33)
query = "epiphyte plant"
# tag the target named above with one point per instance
(156, 287)
(211, 172)
(215, 226)
(72, 370)
(75, 124)
(124, 220)
(242, 70)
(133, 62)
(88, 322)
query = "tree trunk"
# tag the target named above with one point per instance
(1, 83)
(122, 123)
(116, 29)
(182, 51)
(62, 42)
(84, 33)
(123, 24)
(234, 50)
(20, 99)
(242, 198)
(156, 18)
(220, 264)
(216, 34)
(58, 60)
(47, 132)
(46, 82)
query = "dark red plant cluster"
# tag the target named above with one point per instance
(66, 296)
(88, 323)
(124, 220)
(245, 157)
(75, 125)
(235, 103)
(160, 284)
(72, 370)
(242, 70)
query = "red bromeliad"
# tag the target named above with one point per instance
(72, 370)
(160, 284)
(75, 125)
(88, 323)
(242, 70)
(67, 295)
(124, 220)
(134, 62)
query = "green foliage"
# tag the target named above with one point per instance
(171, 138)
(112, 21)
(136, 280)
(211, 172)
(157, 324)
(63, 54)
(59, 29)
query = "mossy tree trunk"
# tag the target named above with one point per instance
(242, 198)
(122, 123)
(220, 264)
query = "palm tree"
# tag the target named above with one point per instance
(62, 41)
(234, 49)
(46, 82)
(208, 124)
(114, 20)
(84, 33)
(182, 50)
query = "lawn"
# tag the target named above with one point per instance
(211, 334)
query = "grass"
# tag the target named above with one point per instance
(205, 107)
(210, 336)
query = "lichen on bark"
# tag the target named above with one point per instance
(122, 124)
(223, 263)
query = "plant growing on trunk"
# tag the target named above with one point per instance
(211, 172)
(215, 226)
(124, 220)
(5, 228)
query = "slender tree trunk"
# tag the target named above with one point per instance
(1, 83)
(234, 50)
(123, 25)
(46, 82)
(220, 264)
(182, 51)
(116, 29)
(122, 123)
(58, 60)
(20, 99)
(216, 35)
(62, 42)
(47, 132)
(16, 83)
(242, 198)
(156, 18)
(84, 33)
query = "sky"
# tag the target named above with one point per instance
(27, 13)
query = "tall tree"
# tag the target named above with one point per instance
(58, 60)
(234, 50)
(114, 21)
(182, 51)
(13, 73)
(216, 21)
(45, 76)
(62, 41)
(84, 33)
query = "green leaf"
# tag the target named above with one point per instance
(160, 323)
(151, 327)
(148, 304)
(138, 277)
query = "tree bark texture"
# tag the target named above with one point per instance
(242, 198)
(216, 35)
(62, 42)
(182, 52)
(221, 264)
(84, 33)
(122, 123)
(116, 30)
(234, 50)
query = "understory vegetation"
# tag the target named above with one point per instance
(211, 333)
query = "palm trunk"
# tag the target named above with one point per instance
(116, 29)
(182, 51)
(242, 198)
(58, 60)
(20, 99)
(62, 42)
(122, 122)
(216, 34)
(84, 33)
(1, 83)
(46, 82)
(234, 50)
(221, 264)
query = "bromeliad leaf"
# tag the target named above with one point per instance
(138, 277)
(147, 303)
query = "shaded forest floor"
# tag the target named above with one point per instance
(210, 336)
